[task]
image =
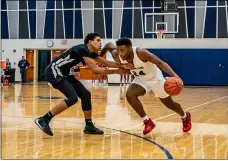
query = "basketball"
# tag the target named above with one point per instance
(173, 86)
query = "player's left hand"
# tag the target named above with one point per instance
(128, 66)
(77, 75)
(176, 77)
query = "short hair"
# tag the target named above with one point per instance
(123, 41)
(91, 36)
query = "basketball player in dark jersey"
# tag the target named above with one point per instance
(59, 74)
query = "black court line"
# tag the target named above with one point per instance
(167, 153)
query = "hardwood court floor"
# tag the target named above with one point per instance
(21, 138)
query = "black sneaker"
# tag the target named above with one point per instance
(91, 129)
(43, 124)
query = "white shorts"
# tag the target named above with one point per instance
(156, 85)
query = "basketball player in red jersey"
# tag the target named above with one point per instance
(148, 77)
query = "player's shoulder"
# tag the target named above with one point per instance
(79, 47)
(140, 50)
(142, 53)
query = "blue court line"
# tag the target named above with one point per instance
(167, 153)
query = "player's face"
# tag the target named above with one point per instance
(96, 44)
(124, 51)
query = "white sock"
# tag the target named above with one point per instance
(145, 118)
(185, 115)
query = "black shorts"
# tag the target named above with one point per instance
(52, 77)
(71, 88)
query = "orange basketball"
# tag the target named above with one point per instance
(173, 86)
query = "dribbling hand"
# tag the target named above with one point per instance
(176, 77)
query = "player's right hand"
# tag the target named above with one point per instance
(123, 71)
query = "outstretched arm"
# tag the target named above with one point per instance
(112, 63)
(97, 70)
(145, 55)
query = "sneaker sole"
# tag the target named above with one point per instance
(36, 122)
(93, 133)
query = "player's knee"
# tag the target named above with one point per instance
(87, 107)
(130, 95)
(71, 100)
(86, 95)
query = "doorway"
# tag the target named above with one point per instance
(30, 70)
(56, 53)
(44, 59)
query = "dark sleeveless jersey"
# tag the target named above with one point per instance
(61, 65)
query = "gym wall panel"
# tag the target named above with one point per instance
(49, 25)
(40, 19)
(68, 4)
(126, 30)
(99, 22)
(87, 17)
(200, 15)
(23, 25)
(98, 4)
(68, 19)
(147, 4)
(210, 23)
(59, 29)
(13, 24)
(138, 32)
(58, 4)
(32, 4)
(149, 27)
(50, 4)
(128, 3)
(108, 23)
(222, 23)
(190, 2)
(3, 5)
(198, 19)
(197, 66)
(108, 4)
(182, 28)
(77, 4)
(32, 22)
(22, 4)
(4, 28)
(12, 5)
(191, 22)
(78, 32)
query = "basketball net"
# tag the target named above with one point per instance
(160, 33)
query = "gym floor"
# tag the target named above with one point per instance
(123, 138)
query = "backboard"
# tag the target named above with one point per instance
(166, 21)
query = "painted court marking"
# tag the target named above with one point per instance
(160, 118)
(169, 156)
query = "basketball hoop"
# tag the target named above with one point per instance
(159, 33)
